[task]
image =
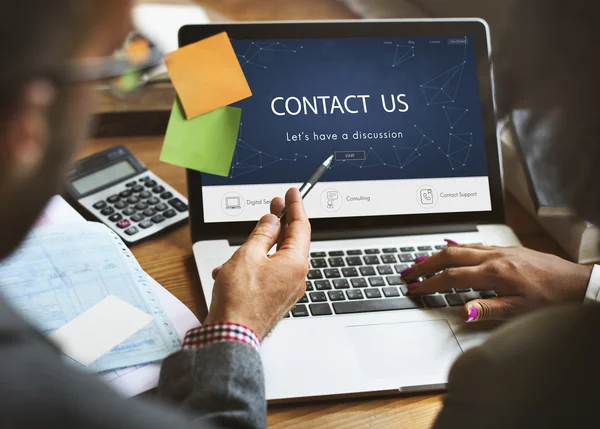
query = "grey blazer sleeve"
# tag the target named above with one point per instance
(223, 382)
(217, 386)
(540, 371)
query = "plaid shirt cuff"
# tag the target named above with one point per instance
(210, 334)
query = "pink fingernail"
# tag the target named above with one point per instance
(413, 286)
(473, 314)
(451, 242)
(420, 259)
(406, 271)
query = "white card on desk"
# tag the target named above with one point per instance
(99, 329)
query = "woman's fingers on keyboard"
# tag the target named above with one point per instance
(462, 277)
(450, 257)
(501, 308)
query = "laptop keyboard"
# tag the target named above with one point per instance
(368, 280)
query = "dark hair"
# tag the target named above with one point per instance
(37, 36)
(548, 61)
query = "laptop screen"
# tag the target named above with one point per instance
(401, 116)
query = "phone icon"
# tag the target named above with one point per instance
(426, 196)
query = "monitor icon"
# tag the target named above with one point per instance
(232, 203)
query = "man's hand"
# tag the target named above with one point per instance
(522, 278)
(256, 290)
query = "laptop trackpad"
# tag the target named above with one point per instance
(411, 348)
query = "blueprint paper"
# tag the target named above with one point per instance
(59, 211)
(133, 380)
(138, 379)
(100, 329)
(60, 271)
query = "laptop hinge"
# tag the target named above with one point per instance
(379, 232)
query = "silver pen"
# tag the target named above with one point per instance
(310, 183)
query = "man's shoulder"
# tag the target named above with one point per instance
(10, 320)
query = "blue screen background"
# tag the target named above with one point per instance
(442, 130)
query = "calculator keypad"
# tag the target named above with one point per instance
(139, 204)
(107, 211)
(178, 205)
(123, 224)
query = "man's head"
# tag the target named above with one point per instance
(43, 117)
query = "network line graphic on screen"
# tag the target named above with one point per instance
(247, 158)
(443, 88)
(403, 53)
(436, 131)
(459, 148)
(454, 115)
(256, 50)
(405, 155)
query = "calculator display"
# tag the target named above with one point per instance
(101, 178)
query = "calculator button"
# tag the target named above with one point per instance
(150, 183)
(125, 194)
(115, 218)
(131, 231)
(169, 213)
(158, 219)
(153, 201)
(166, 195)
(146, 224)
(143, 179)
(137, 188)
(124, 224)
(141, 206)
(133, 200)
(128, 211)
(149, 212)
(107, 211)
(137, 217)
(130, 184)
(121, 205)
(145, 194)
(158, 190)
(113, 199)
(178, 205)
(161, 207)
(99, 205)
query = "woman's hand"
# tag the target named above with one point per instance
(522, 278)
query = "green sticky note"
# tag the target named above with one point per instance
(204, 143)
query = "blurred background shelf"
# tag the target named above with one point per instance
(149, 113)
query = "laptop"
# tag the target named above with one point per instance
(406, 107)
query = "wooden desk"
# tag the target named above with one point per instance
(169, 260)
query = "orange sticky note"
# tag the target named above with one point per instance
(207, 75)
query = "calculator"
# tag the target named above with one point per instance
(119, 191)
